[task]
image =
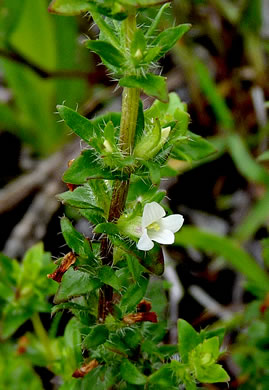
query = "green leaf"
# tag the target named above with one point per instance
(75, 283)
(264, 156)
(39, 47)
(156, 20)
(78, 123)
(75, 240)
(212, 374)
(134, 267)
(107, 228)
(107, 275)
(163, 377)
(88, 166)
(131, 374)
(14, 316)
(32, 262)
(256, 217)
(72, 338)
(245, 163)
(151, 84)
(81, 197)
(69, 7)
(168, 38)
(108, 53)
(152, 260)
(226, 247)
(72, 306)
(188, 339)
(138, 47)
(134, 294)
(195, 148)
(207, 85)
(207, 334)
(98, 335)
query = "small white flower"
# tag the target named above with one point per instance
(157, 228)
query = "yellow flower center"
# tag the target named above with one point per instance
(154, 226)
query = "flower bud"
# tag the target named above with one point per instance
(151, 142)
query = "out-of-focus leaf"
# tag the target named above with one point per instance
(151, 84)
(34, 37)
(214, 97)
(256, 216)
(72, 339)
(69, 7)
(16, 372)
(8, 120)
(264, 156)
(244, 162)
(226, 247)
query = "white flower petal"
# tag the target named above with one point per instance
(172, 222)
(163, 236)
(145, 243)
(152, 212)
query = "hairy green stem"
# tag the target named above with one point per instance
(130, 102)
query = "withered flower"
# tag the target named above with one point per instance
(132, 318)
(85, 369)
(66, 263)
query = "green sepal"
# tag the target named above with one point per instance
(88, 166)
(75, 240)
(75, 283)
(109, 54)
(168, 38)
(69, 7)
(98, 335)
(131, 374)
(151, 84)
